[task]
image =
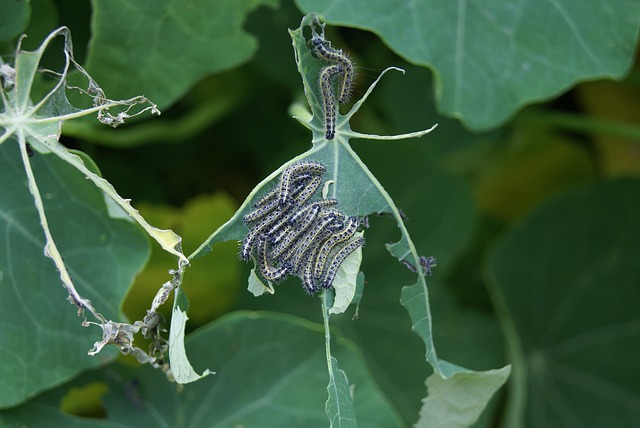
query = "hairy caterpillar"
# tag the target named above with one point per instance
(308, 190)
(269, 272)
(307, 276)
(291, 236)
(332, 269)
(347, 231)
(260, 212)
(329, 100)
(312, 239)
(293, 171)
(324, 203)
(289, 240)
(321, 48)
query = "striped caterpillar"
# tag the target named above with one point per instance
(290, 233)
(339, 65)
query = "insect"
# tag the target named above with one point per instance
(312, 239)
(286, 242)
(292, 171)
(324, 203)
(269, 272)
(329, 99)
(338, 258)
(321, 48)
(290, 234)
(307, 276)
(308, 190)
(347, 231)
(247, 246)
(260, 212)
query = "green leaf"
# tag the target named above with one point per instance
(490, 59)
(256, 286)
(268, 376)
(181, 370)
(38, 122)
(339, 405)
(356, 188)
(14, 18)
(564, 282)
(162, 48)
(42, 342)
(457, 402)
(345, 282)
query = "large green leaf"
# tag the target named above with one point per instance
(359, 193)
(491, 58)
(566, 284)
(162, 48)
(42, 342)
(14, 18)
(269, 374)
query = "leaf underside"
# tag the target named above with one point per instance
(492, 58)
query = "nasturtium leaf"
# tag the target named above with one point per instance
(491, 58)
(256, 286)
(565, 282)
(14, 18)
(358, 191)
(37, 122)
(346, 282)
(42, 342)
(457, 402)
(339, 406)
(270, 373)
(162, 48)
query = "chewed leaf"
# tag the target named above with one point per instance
(38, 122)
(345, 281)
(181, 369)
(359, 194)
(339, 406)
(87, 237)
(458, 402)
(256, 286)
(35, 125)
(486, 62)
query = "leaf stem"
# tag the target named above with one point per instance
(354, 134)
(324, 297)
(51, 249)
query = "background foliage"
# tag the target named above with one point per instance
(532, 219)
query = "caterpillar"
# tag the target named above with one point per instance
(311, 239)
(308, 190)
(293, 171)
(269, 272)
(329, 99)
(246, 246)
(307, 276)
(347, 231)
(259, 229)
(260, 212)
(337, 260)
(289, 235)
(321, 48)
(293, 238)
(324, 203)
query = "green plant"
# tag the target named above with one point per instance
(541, 278)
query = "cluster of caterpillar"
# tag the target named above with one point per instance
(291, 235)
(341, 66)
